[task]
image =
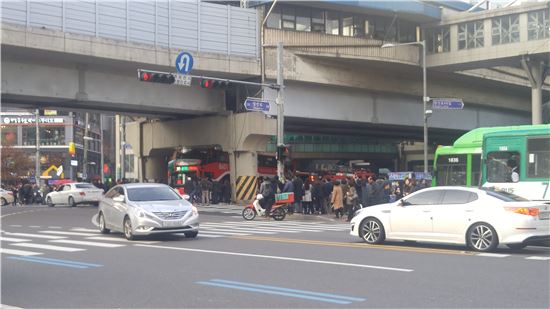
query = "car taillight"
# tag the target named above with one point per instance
(82, 193)
(524, 210)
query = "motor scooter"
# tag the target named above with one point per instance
(250, 211)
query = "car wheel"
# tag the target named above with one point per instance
(102, 227)
(482, 237)
(49, 202)
(372, 231)
(72, 202)
(279, 214)
(191, 234)
(127, 227)
(516, 246)
(249, 214)
(3, 202)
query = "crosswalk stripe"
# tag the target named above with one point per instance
(540, 258)
(87, 243)
(69, 233)
(81, 229)
(213, 231)
(48, 247)
(35, 235)
(9, 239)
(120, 239)
(257, 228)
(18, 252)
(234, 228)
(279, 227)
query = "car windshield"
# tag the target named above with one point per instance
(85, 186)
(505, 196)
(145, 194)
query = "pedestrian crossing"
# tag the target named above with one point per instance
(78, 239)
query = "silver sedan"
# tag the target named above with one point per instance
(144, 209)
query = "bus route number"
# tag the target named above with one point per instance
(453, 160)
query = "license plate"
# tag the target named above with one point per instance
(172, 223)
(544, 216)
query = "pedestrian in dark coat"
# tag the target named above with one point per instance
(298, 185)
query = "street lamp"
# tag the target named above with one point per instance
(426, 113)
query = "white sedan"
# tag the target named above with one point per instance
(480, 219)
(75, 193)
(6, 197)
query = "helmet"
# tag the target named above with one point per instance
(259, 197)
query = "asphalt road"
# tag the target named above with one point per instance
(302, 262)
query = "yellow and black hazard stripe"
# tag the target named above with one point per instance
(246, 188)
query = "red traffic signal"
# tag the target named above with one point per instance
(212, 84)
(156, 77)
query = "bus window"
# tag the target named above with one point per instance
(538, 158)
(498, 169)
(451, 170)
(476, 169)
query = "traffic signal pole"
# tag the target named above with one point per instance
(280, 110)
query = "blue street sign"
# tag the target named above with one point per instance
(446, 103)
(184, 63)
(257, 104)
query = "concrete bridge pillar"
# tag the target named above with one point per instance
(244, 172)
(155, 168)
(536, 71)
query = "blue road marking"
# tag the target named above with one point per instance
(266, 289)
(58, 262)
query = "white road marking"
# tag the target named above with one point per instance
(493, 255)
(208, 227)
(201, 235)
(34, 226)
(81, 229)
(48, 247)
(540, 258)
(273, 257)
(54, 227)
(17, 252)
(16, 225)
(69, 233)
(87, 243)
(9, 239)
(35, 235)
(120, 239)
(213, 231)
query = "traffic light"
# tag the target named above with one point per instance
(214, 84)
(72, 149)
(156, 77)
(282, 152)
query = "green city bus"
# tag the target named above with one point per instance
(460, 164)
(525, 150)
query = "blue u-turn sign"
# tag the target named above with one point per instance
(184, 63)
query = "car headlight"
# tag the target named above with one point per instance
(195, 210)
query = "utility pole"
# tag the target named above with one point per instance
(280, 109)
(101, 148)
(123, 147)
(85, 142)
(37, 161)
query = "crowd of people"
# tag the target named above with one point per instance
(339, 196)
(205, 191)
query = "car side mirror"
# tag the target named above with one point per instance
(402, 203)
(119, 198)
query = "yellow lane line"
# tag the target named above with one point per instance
(352, 245)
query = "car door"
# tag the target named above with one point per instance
(119, 209)
(450, 217)
(57, 197)
(107, 206)
(64, 196)
(412, 218)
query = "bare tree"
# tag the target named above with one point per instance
(15, 163)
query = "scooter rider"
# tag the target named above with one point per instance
(266, 190)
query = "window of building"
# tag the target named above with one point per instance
(501, 164)
(303, 19)
(359, 26)
(538, 158)
(289, 17)
(333, 23)
(29, 135)
(438, 40)
(274, 19)
(538, 25)
(407, 32)
(9, 135)
(347, 24)
(385, 29)
(505, 29)
(52, 136)
(470, 35)
(317, 20)
(129, 163)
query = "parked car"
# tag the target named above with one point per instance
(146, 208)
(480, 219)
(74, 194)
(6, 197)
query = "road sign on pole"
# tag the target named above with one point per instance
(184, 63)
(447, 103)
(182, 80)
(257, 104)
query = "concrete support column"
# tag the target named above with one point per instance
(536, 71)
(244, 172)
(154, 168)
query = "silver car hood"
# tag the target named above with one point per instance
(164, 206)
